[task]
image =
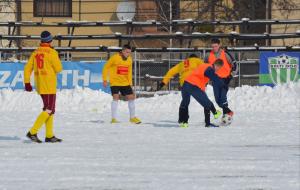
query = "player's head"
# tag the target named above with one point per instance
(126, 50)
(218, 64)
(46, 37)
(193, 56)
(215, 44)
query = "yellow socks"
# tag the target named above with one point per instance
(42, 118)
(49, 127)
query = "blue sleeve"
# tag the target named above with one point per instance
(210, 73)
(231, 60)
(206, 58)
(229, 57)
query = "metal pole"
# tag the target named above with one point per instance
(135, 70)
(0, 56)
(18, 18)
(212, 13)
(171, 41)
(68, 56)
(139, 71)
(239, 69)
(169, 66)
(268, 16)
(79, 10)
(198, 10)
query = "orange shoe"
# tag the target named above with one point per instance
(230, 113)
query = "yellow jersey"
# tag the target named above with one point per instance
(183, 68)
(118, 71)
(45, 63)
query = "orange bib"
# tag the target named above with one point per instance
(198, 78)
(225, 71)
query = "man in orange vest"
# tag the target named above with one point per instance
(194, 85)
(224, 73)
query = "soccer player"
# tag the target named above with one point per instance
(194, 85)
(184, 69)
(119, 71)
(45, 63)
(224, 73)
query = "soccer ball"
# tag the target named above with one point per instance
(283, 59)
(226, 119)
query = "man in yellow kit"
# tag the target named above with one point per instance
(184, 69)
(45, 63)
(119, 70)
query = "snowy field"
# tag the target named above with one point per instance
(259, 151)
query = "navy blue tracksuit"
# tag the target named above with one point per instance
(200, 96)
(220, 94)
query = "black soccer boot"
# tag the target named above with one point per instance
(211, 125)
(52, 140)
(33, 138)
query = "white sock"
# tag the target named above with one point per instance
(114, 109)
(131, 106)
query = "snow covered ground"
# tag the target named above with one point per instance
(259, 151)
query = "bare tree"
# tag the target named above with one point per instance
(220, 10)
(285, 7)
(236, 10)
(6, 14)
(6, 3)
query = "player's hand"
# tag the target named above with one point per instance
(28, 87)
(105, 84)
(234, 69)
(161, 85)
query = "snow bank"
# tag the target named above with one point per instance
(284, 98)
(67, 100)
(260, 150)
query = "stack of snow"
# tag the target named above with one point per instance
(284, 98)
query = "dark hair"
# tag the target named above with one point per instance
(219, 62)
(193, 56)
(215, 41)
(126, 46)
